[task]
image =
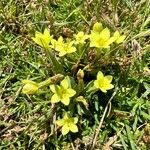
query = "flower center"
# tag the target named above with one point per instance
(63, 92)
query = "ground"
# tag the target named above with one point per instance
(118, 119)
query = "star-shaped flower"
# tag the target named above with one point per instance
(42, 39)
(81, 37)
(119, 38)
(63, 47)
(103, 82)
(68, 123)
(100, 37)
(62, 93)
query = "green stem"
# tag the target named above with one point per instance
(58, 68)
(51, 80)
(80, 49)
(45, 83)
(80, 85)
(98, 53)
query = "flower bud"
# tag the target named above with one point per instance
(30, 87)
(98, 27)
(80, 74)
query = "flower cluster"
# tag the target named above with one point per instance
(66, 92)
(99, 37)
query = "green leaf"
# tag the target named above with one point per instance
(145, 115)
(135, 123)
(96, 105)
(123, 142)
(142, 34)
(147, 87)
(129, 134)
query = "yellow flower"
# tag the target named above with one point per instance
(101, 39)
(68, 123)
(119, 38)
(62, 47)
(63, 92)
(98, 27)
(103, 82)
(30, 87)
(42, 39)
(81, 37)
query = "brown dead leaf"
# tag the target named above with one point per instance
(111, 140)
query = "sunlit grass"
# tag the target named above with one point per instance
(121, 115)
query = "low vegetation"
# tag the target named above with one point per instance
(74, 75)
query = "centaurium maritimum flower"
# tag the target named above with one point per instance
(100, 37)
(81, 37)
(63, 47)
(62, 93)
(42, 39)
(119, 38)
(103, 82)
(68, 123)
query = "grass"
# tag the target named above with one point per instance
(120, 122)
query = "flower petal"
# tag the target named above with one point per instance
(75, 120)
(53, 88)
(120, 39)
(65, 100)
(60, 40)
(47, 35)
(38, 34)
(64, 83)
(65, 129)
(60, 122)
(73, 128)
(66, 115)
(105, 34)
(109, 78)
(71, 92)
(103, 90)
(62, 53)
(46, 32)
(96, 83)
(99, 75)
(71, 50)
(110, 41)
(116, 34)
(55, 98)
(53, 42)
(98, 27)
(37, 41)
(110, 87)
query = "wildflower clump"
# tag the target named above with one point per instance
(73, 62)
(62, 93)
(68, 123)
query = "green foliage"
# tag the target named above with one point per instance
(97, 116)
